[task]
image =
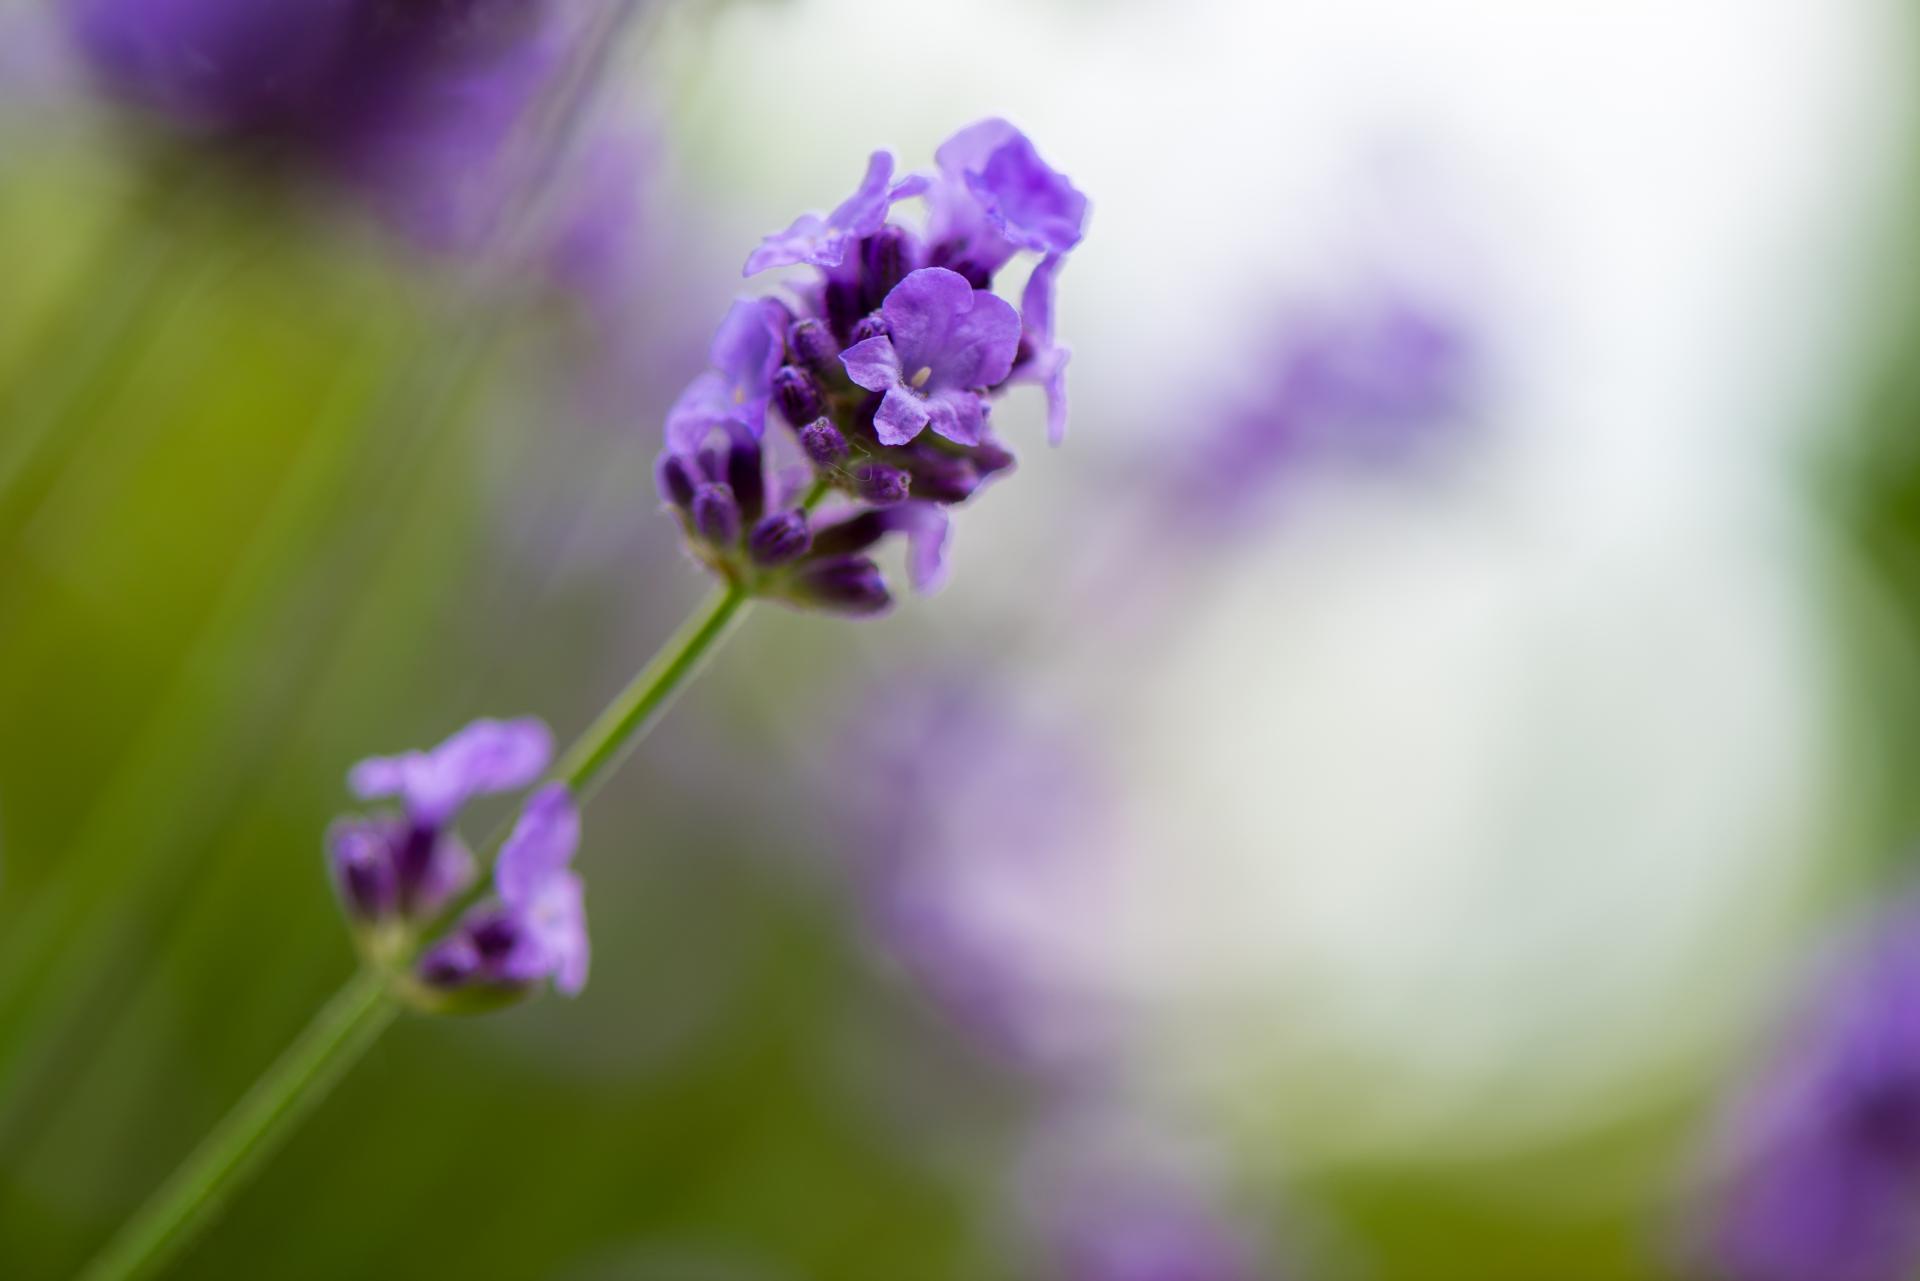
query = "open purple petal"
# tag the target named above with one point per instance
(901, 416)
(704, 405)
(872, 364)
(807, 239)
(971, 148)
(823, 242)
(541, 846)
(486, 756)
(748, 348)
(980, 344)
(920, 313)
(1047, 364)
(561, 918)
(1029, 202)
(929, 533)
(956, 413)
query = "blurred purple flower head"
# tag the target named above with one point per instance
(404, 867)
(1823, 1153)
(1368, 380)
(987, 841)
(411, 100)
(538, 928)
(1139, 1210)
(896, 333)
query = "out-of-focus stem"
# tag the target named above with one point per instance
(250, 1133)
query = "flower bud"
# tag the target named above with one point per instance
(842, 300)
(450, 962)
(781, 537)
(743, 471)
(885, 255)
(675, 481)
(871, 325)
(797, 395)
(939, 478)
(362, 857)
(880, 484)
(845, 584)
(823, 443)
(716, 516)
(811, 345)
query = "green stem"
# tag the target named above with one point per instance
(632, 713)
(257, 1125)
(361, 1010)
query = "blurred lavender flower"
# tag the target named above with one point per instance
(408, 100)
(987, 844)
(1823, 1154)
(896, 333)
(402, 868)
(1368, 380)
(538, 929)
(1120, 1200)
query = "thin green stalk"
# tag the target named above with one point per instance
(629, 716)
(246, 1136)
(361, 1010)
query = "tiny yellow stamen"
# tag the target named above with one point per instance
(919, 380)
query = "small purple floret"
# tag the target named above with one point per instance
(539, 929)
(746, 351)
(947, 341)
(996, 197)
(823, 242)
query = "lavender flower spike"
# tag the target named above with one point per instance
(1824, 1179)
(893, 334)
(823, 242)
(945, 341)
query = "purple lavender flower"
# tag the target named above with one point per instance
(986, 849)
(412, 102)
(406, 866)
(1123, 1224)
(538, 929)
(897, 333)
(1824, 1152)
(1369, 380)
(946, 342)
(823, 242)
